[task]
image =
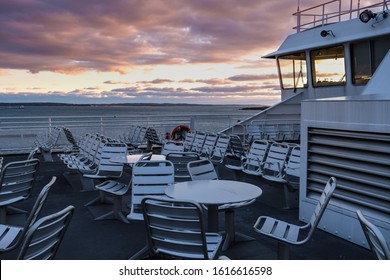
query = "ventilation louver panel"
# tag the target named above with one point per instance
(360, 161)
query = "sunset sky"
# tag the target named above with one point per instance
(175, 51)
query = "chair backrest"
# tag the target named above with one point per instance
(189, 140)
(292, 171)
(375, 238)
(172, 147)
(106, 167)
(175, 228)
(44, 237)
(208, 144)
(149, 178)
(197, 145)
(69, 136)
(202, 169)
(32, 153)
(32, 217)
(321, 206)
(220, 148)
(236, 146)
(180, 161)
(152, 136)
(17, 178)
(256, 155)
(276, 158)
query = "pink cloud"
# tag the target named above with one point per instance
(75, 36)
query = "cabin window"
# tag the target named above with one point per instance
(293, 71)
(328, 67)
(366, 57)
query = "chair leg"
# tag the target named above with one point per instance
(229, 229)
(283, 251)
(290, 197)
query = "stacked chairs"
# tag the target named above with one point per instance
(85, 155)
(94, 163)
(288, 176)
(153, 140)
(135, 138)
(88, 156)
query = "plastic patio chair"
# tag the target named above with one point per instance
(289, 234)
(375, 238)
(44, 237)
(12, 236)
(176, 228)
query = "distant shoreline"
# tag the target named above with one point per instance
(23, 104)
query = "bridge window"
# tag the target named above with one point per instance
(293, 71)
(366, 57)
(328, 67)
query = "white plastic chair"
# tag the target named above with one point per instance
(290, 234)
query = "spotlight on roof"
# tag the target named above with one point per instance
(325, 33)
(366, 16)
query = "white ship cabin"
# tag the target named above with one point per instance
(335, 84)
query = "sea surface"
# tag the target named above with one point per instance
(21, 125)
(118, 110)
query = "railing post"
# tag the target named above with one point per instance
(192, 123)
(101, 125)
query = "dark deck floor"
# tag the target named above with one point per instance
(87, 239)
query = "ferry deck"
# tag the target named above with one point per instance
(88, 239)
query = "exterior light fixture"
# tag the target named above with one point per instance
(366, 16)
(325, 33)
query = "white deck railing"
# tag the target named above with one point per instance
(19, 133)
(331, 12)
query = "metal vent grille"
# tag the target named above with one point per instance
(360, 161)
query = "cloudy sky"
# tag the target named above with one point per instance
(192, 51)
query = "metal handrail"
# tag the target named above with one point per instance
(320, 19)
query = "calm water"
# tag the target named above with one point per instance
(205, 117)
(122, 110)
